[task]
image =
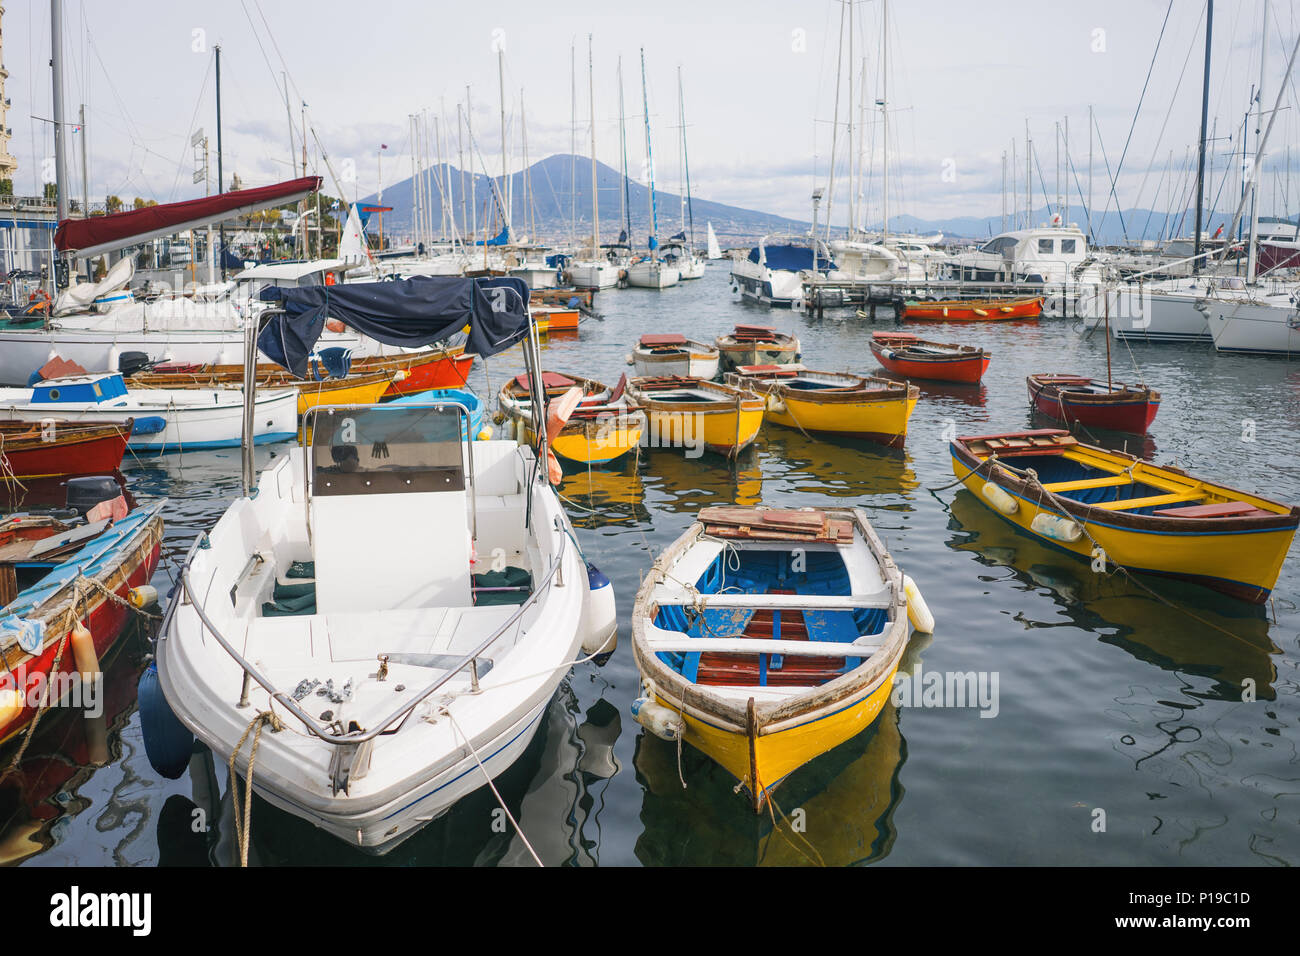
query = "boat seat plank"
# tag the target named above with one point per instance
(751, 645)
(1132, 503)
(1222, 509)
(1081, 484)
(760, 602)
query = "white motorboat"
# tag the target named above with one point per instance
(775, 270)
(166, 419)
(398, 603)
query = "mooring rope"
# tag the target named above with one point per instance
(492, 784)
(244, 827)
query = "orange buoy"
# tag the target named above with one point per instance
(334, 325)
(329, 278)
(83, 652)
(557, 414)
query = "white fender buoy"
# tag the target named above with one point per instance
(776, 405)
(918, 612)
(143, 596)
(658, 719)
(599, 616)
(999, 499)
(629, 359)
(1056, 527)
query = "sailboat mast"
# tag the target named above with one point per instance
(1205, 113)
(1258, 170)
(625, 199)
(848, 115)
(686, 164)
(60, 157)
(650, 167)
(884, 117)
(595, 198)
(573, 147)
(221, 182)
(681, 152)
(505, 167)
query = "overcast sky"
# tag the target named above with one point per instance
(760, 85)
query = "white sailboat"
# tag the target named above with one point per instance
(651, 271)
(681, 248)
(596, 271)
(384, 619)
(715, 251)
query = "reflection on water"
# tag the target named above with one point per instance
(1190, 630)
(65, 750)
(1109, 697)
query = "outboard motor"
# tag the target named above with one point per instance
(84, 493)
(131, 362)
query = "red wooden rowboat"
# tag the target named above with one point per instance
(1095, 404)
(58, 449)
(904, 354)
(973, 310)
(112, 559)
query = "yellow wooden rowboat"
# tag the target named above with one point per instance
(695, 414)
(1107, 505)
(832, 403)
(767, 637)
(365, 389)
(604, 427)
(358, 390)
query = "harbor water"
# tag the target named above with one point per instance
(1108, 721)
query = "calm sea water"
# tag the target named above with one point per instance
(1113, 708)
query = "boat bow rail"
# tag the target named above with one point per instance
(329, 733)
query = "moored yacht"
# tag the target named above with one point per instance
(774, 271)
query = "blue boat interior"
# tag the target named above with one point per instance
(764, 572)
(1058, 468)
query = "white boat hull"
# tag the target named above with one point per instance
(23, 352)
(427, 761)
(1258, 328)
(594, 275)
(195, 418)
(652, 275)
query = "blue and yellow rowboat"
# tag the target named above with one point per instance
(1102, 504)
(766, 637)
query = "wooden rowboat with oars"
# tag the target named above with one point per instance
(973, 310)
(839, 404)
(695, 414)
(1143, 517)
(605, 425)
(905, 354)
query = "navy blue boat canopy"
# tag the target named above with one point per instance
(791, 258)
(411, 313)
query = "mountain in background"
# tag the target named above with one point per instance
(560, 187)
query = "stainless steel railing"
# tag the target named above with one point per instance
(349, 739)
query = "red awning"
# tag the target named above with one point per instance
(99, 234)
